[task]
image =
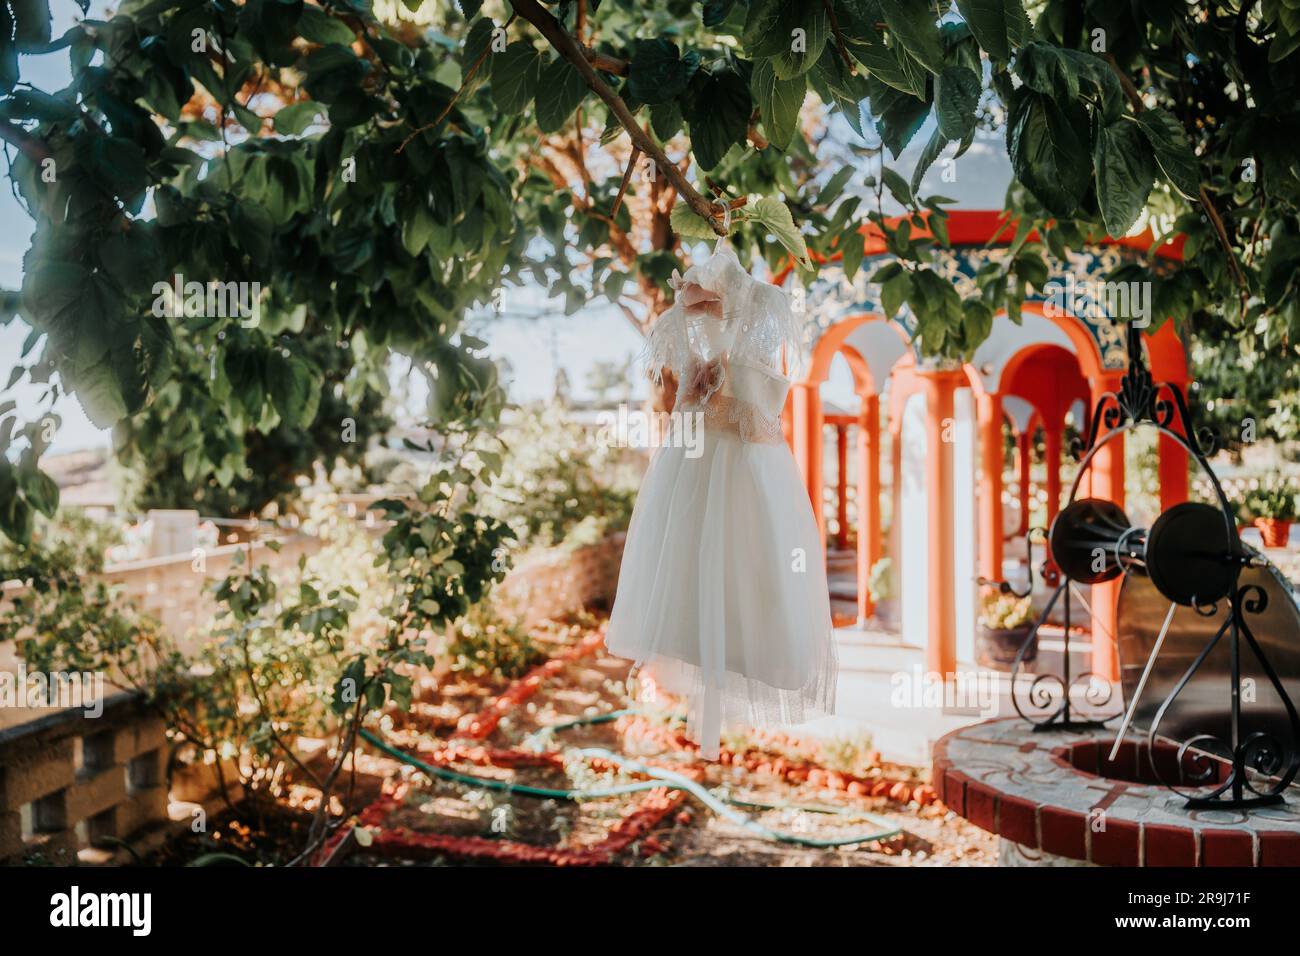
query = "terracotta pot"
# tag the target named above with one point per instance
(1276, 532)
(997, 648)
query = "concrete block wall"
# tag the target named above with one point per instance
(67, 781)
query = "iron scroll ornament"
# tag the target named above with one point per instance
(1260, 766)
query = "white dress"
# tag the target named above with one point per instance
(722, 594)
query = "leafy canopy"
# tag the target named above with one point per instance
(380, 180)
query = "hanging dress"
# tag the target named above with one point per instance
(722, 595)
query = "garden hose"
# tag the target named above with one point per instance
(660, 777)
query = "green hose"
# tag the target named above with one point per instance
(660, 777)
(501, 786)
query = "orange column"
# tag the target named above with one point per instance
(990, 423)
(895, 488)
(799, 428)
(1024, 450)
(808, 424)
(869, 545)
(1173, 466)
(941, 643)
(1052, 461)
(1106, 480)
(842, 486)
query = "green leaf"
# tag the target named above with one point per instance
(718, 116)
(514, 76)
(775, 216)
(897, 186)
(296, 117)
(835, 185)
(898, 116)
(1048, 69)
(666, 120)
(1172, 153)
(838, 87)
(252, 228)
(319, 27)
(1047, 154)
(417, 228)
(32, 25)
(885, 61)
(333, 71)
(41, 491)
(913, 23)
(1125, 173)
(852, 249)
(977, 322)
(477, 45)
(894, 290)
(767, 30)
(806, 28)
(716, 12)
(658, 72)
(779, 102)
(987, 20)
(560, 89)
(929, 154)
(688, 224)
(293, 389)
(957, 94)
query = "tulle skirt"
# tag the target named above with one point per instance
(722, 594)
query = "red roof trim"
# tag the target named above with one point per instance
(977, 227)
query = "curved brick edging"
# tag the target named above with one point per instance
(1029, 788)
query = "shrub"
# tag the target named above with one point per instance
(484, 643)
(558, 485)
(1273, 497)
(999, 611)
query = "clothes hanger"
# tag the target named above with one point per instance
(726, 226)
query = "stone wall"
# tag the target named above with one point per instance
(68, 781)
(554, 583)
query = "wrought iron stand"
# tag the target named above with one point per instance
(1262, 764)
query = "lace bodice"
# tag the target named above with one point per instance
(733, 344)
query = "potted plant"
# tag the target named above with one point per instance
(1005, 622)
(1272, 503)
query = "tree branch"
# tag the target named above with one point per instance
(627, 178)
(30, 146)
(572, 51)
(839, 38)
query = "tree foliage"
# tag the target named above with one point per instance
(383, 179)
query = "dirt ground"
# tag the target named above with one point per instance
(692, 835)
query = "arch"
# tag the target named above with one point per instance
(833, 339)
(1068, 356)
(864, 382)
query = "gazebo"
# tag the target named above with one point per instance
(946, 428)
